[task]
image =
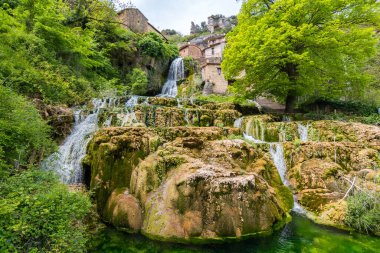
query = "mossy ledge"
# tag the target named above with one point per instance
(188, 185)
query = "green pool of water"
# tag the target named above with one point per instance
(301, 235)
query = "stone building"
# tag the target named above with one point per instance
(133, 19)
(191, 50)
(213, 77)
(208, 51)
(215, 47)
(211, 66)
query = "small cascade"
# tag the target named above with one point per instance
(277, 152)
(67, 162)
(187, 117)
(255, 132)
(78, 117)
(108, 122)
(303, 132)
(252, 139)
(176, 73)
(130, 117)
(282, 135)
(179, 103)
(238, 123)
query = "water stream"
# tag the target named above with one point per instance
(276, 151)
(129, 118)
(67, 162)
(176, 73)
(300, 235)
(303, 132)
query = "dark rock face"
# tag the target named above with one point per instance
(60, 118)
(184, 184)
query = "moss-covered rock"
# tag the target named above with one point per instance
(123, 211)
(208, 192)
(192, 186)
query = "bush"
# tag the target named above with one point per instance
(152, 45)
(39, 214)
(24, 136)
(139, 82)
(363, 212)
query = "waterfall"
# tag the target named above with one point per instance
(108, 122)
(130, 117)
(179, 103)
(187, 116)
(238, 123)
(176, 73)
(256, 136)
(303, 132)
(67, 162)
(277, 152)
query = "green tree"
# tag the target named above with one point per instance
(24, 136)
(139, 82)
(291, 48)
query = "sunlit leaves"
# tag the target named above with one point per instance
(329, 42)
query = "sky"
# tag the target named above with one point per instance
(178, 14)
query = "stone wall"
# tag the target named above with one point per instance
(191, 50)
(133, 19)
(212, 73)
(215, 51)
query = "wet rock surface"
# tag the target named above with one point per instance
(191, 186)
(180, 172)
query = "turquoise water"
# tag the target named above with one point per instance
(301, 235)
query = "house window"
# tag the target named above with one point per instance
(219, 71)
(212, 51)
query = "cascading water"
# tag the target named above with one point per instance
(303, 132)
(187, 116)
(130, 117)
(67, 162)
(276, 151)
(108, 122)
(176, 73)
(238, 123)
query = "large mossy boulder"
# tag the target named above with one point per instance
(186, 184)
(321, 174)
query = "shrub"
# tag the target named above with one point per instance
(363, 212)
(151, 44)
(39, 214)
(24, 136)
(139, 82)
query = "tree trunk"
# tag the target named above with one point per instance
(290, 102)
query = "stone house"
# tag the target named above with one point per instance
(211, 66)
(215, 47)
(208, 51)
(133, 19)
(191, 50)
(213, 77)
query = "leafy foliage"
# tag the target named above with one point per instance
(69, 51)
(364, 212)
(152, 45)
(296, 48)
(138, 82)
(24, 136)
(39, 214)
